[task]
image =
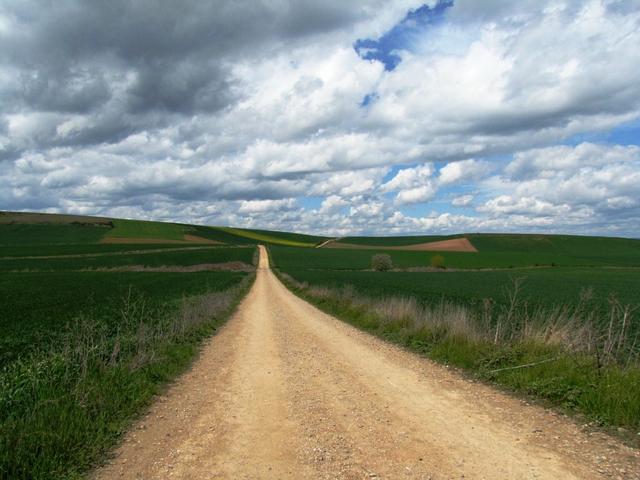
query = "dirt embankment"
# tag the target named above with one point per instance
(453, 245)
(285, 391)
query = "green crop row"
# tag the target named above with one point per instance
(167, 257)
(275, 238)
(101, 345)
(51, 234)
(355, 259)
(575, 356)
(86, 249)
(37, 306)
(84, 348)
(141, 229)
(582, 247)
(538, 287)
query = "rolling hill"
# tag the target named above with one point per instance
(23, 232)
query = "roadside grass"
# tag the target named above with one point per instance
(64, 404)
(144, 229)
(565, 355)
(155, 258)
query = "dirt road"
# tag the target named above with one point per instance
(285, 391)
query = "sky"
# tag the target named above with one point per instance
(333, 117)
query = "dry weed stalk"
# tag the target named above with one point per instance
(574, 329)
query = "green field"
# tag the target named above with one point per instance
(495, 252)
(153, 258)
(581, 248)
(84, 347)
(140, 229)
(218, 234)
(549, 286)
(25, 229)
(539, 288)
(472, 277)
(396, 241)
(54, 234)
(36, 307)
(276, 238)
(86, 343)
(570, 335)
(353, 259)
(20, 251)
(85, 352)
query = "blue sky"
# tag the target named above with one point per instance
(333, 117)
(401, 36)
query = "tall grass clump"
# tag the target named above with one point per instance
(62, 407)
(567, 354)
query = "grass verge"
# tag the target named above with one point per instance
(559, 355)
(63, 407)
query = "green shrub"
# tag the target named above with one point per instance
(381, 262)
(437, 261)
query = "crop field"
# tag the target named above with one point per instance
(218, 234)
(140, 229)
(396, 241)
(26, 229)
(354, 259)
(276, 238)
(86, 343)
(495, 251)
(92, 330)
(566, 333)
(488, 276)
(37, 307)
(20, 251)
(539, 287)
(114, 260)
(51, 234)
(493, 242)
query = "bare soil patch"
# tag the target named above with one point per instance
(197, 239)
(453, 245)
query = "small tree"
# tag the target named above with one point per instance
(437, 261)
(381, 262)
